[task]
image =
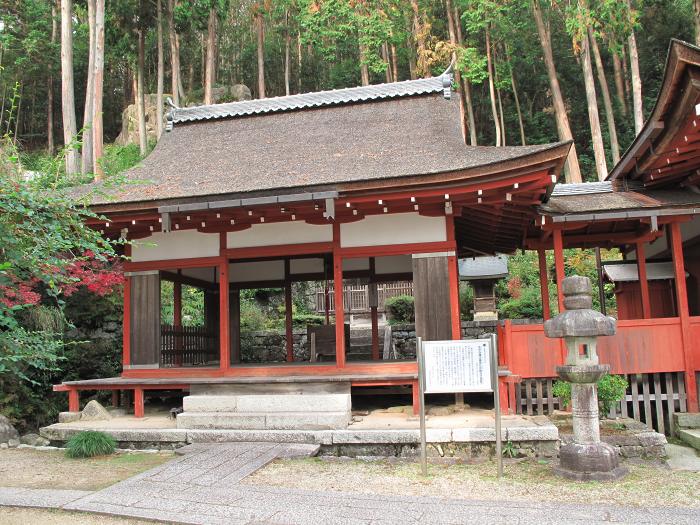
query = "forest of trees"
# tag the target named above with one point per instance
(529, 71)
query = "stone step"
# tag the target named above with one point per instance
(261, 403)
(690, 436)
(264, 420)
(686, 420)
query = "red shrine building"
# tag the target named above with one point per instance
(375, 185)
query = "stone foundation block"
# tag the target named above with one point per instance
(685, 420)
(68, 417)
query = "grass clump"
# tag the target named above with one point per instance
(89, 444)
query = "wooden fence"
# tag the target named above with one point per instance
(187, 346)
(356, 296)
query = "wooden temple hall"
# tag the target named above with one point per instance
(375, 185)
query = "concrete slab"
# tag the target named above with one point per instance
(690, 436)
(682, 458)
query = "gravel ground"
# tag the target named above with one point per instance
(647, 485)
(24, 516)
(31, 468)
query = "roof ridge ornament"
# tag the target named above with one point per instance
(446, 77)
(169, 117)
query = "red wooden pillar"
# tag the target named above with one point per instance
(126, 325)
(338, 297)
(559, 266)
(544, 283)
(224, 321)
(684, 315)
(73, 400)
(453, 280)
(288, 325)
(643, 282)
(138, 402)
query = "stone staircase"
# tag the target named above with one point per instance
(267, 406)
(688, 428)
(361, 344)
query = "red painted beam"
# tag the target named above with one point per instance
(73, 400)
(224, 328)
(138, 402)
(544, 283)
(338, 296)
(643, 281)
(453, 281)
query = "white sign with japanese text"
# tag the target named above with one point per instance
(457, 366)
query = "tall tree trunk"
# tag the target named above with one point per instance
(175, 82)
(419, 34)
(492, 89)
(50, 141)
(636, 80)
(394, 62)
(626, 75)
(452, 26)
(161, 70)
(364, 70)
(261, 52)
(140, 105)
(97, 119)
(210, 65)
(67, 94)
(466, 86)
(573, 171)
(605, 92)
(87, 160)
(619, 85)
(592, 103)
(287, 42)
(516, 98)
(387, 61)
(300, 61)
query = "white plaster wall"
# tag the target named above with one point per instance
(210, 274)
(393, 264)
(256, 271)
(297, 266)
(184, 244)
(399, 228)
(276, 233)
(355, 264)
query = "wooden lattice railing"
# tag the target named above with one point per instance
(187, 345)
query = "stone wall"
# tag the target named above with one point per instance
(271, 346)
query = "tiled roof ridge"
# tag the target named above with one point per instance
(405, 88)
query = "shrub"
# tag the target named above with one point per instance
(89, 444)
(611, 389)
(304, 320)
(401, 309)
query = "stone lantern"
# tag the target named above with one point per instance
(587, 458)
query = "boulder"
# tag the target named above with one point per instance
(93, 411)
(8, 433)
(234, 93)
(68, 417)
(34, 440)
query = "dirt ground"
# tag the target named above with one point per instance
(22, 516)
(647, 484)
(30, 468)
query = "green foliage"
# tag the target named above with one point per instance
(509, 450)
(89, 444)
(304, 320)
(400, 309)
(611, 389)
(466, 301)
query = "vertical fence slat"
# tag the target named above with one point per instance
(658, 404)
(670, 401)
(550, 398)
(680, 380)
(647, 401)
(635, 397)
(540, 406)
(528, 396)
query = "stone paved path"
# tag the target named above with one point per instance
(202, 487)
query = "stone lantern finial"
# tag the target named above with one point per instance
(587, 457)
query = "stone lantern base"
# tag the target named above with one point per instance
(589, 462)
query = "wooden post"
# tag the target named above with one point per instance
(126, 325)
(338, 296)
(453, 281)
(684, 315)
(224, 334)
(115, 398)
(138, 402)
(177, 321)
(559, 266)
(544, 283)
(643, 282)
(235, 324)
(73, 400)
(373, 304)
(289, 328)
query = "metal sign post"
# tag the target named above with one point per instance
(496, 403)
(421, 398)
(458, 366)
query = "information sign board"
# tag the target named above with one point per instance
(457, 366)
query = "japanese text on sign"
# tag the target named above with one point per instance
(457, 366)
